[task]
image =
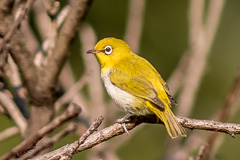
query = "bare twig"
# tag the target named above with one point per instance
(13, 110)
(198, 58)
(72, 111)
(230, 99)
(97, 122)
(71, 92)
(42, 19)
(4, 47)
(67, 80)
(15, 87)
(2, 110)
(210, 125)
(62, 15)
(201, 39)
(201, 152)
(225, 111)
(17, 47)
(39, 58)
(50, 141)
(51, 6)
(25, 27)
(67, 152)
(117, 129)
(8, 133)
(176, 79)
(55, 63)
(134, 23)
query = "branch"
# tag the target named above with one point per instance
(72, 111)
(40, 58)
(14, 112)
(8, 133)
(55, 62)
(50, 141)
(225, 111)
(51, 6)
(210, 125)
(66, 152)
(201, 39)
(117, 129)
(17, 47)
(135, 23)
(201, 152)
(7, 38)
(71, 92)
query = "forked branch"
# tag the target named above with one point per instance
(116, 129)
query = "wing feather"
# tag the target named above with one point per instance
(136, 85)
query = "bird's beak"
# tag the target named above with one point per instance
(93, 51)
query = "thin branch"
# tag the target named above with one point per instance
(14, 112)
(15, 87)
(2, 110)
(197, 58)
(88, 37)
(116, 129)
(210, 125)
(225, 111)
(71, 92)
(231, 98)
(39, 58)
(72, 111)
(96, 123)
(67, 80)
(8, 133)
(51, 6)
(176, 79)
(42, 19)
(18, 21)
(50, 141)
(66, 152)
(201, 153)
(201, 40)
(55, 63)
(17, 47)
(135, 23)
(4, 47)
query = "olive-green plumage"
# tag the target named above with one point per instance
(134, 84)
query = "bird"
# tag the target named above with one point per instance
(134, 84)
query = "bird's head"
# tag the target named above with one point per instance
(110, 51)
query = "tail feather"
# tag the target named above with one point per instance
(167, 117)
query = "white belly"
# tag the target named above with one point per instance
(124, 100)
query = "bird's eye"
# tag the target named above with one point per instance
(108, 50)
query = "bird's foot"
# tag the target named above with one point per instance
(123, 121)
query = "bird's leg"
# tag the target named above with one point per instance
(123, 120)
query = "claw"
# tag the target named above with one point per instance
(123, 120)
(125, 128)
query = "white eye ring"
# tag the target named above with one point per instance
(108, 50)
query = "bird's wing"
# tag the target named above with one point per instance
(136, 85)
(167, 90)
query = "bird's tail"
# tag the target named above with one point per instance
(167, 117)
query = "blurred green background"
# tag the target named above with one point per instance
(164, 40)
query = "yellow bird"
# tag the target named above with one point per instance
(134, 84)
